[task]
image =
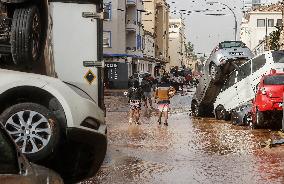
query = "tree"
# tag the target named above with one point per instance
(274, 43)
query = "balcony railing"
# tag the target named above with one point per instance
(131, 26)
(131, 2)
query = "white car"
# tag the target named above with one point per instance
(239, 89)
(49, 119)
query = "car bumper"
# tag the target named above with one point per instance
(82, 154)
(271, 106)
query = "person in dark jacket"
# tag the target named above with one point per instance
(147, 87)
(135, 95)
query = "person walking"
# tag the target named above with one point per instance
(163, 93)
(135, 95)
(147, 87)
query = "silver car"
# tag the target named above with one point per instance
(15, 168)
(224, 58)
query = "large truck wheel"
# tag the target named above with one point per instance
(34, 129)
(195, 110)
(26, 36)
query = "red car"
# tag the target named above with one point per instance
(268, 103)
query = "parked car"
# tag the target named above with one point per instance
(51, 120)
(223, 56)
(268, 102)
(238, 91)
(15, 168)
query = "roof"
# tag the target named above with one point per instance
(268, 8)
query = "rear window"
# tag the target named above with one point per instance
(278, 56)
(274, 80)
(231, 44)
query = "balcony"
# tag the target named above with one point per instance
(131, 3)
(131, 26)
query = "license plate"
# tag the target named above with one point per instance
(236, 53)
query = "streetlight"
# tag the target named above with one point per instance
(236, 23)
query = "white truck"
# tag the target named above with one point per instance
(56, 116)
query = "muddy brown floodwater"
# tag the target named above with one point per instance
(188, 151)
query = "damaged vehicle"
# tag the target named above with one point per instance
(227, 56)
(15, 168)
(224, 56)
(235, 98)
(268, 102)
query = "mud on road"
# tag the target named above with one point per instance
(188, 151)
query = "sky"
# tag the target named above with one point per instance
(206, 31)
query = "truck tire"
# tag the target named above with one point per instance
(195, 110)
(26, 36)
(34, 129)
(215, 72)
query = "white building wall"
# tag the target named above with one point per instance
(252, 35)
(116, 27)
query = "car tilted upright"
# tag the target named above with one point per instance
(235, 98)
(224, 56)
(268, 102)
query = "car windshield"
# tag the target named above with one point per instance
(278, 56)
(231, 44)
(274, 80)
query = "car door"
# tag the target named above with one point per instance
(228, 96)
(259, 67)
(13, 168)
(245, 90)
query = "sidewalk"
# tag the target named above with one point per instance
(114, 92)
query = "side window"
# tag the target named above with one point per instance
(245, 70)
(258, 63)
(8, 155)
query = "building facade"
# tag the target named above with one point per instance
(156, 22)
(259, 23)
(177, 54)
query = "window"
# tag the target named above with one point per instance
(258, 63)
(278, 56)
(260, 22)
(8, 155)
(274, 80)
(139, 42)
(107, 39)
(270, 23)
(279, 22)
(107, 11)
(231, 44)
(245, 70)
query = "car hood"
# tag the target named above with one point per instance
(14, 78)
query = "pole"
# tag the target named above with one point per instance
(235, 17)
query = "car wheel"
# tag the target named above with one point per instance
(259, 118)
(34, 129)
(26, 36)
(195, 109)
(220, 113)
(215, 72)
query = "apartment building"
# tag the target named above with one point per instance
(123, 41)
(259, 23)
(177, 56)
(156, 22)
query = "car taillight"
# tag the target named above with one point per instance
(263, 91)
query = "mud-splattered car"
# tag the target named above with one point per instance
(15, 168)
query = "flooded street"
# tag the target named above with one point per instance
(188, 151)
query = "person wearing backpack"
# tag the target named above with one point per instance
(135, 95)
(163, 93)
